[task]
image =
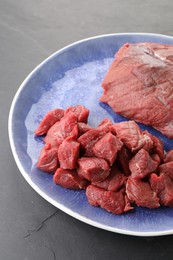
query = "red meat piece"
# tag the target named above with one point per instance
(157, 145)
(81, 112)
(49, 120)
(113, 182)
(169, 156)
(124, 156)
(93, 168)
(128, 205)
(163, 186)
(142, 164)
(69, 179)
(48, 159)
(83, 128)
(142, 74)
(156, 158)
(105, 125)
(67, 126)
(131, 135)
(167, 168)
(90, 138)
(111, 201)
(141, 193)
(68, 153)
(107, 147)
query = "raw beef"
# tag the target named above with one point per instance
(69, 179)
(167, 168)
(139, 85)
(111, 201)
(163, 186)
(124, 156)
(131, 135)
(115, 181)
(68, 153)
(49, 120)
(67, 126)
(169, 156)
(48, 159)
(107, 147)
(83, 128)
(142, 164)
(81, 112)
(141, 193)
(93, 168)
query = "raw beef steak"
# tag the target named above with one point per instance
(139, 85)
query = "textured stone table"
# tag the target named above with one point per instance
(31, 228)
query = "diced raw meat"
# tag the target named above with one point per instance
(93, 168)
(80, 111)
(107, 147)
(167, 168)
(169, 156)
(142, 164)
(142, 74)
(156, 158)
(128, 205)
(157, 145)
(105, 125)
(131, 135)
(141, 193)
(49, 120)
(113, 182)
(68, 153)
(124, 156)
(69, 179)
(48, 159)
(90, 138)
(83, 128)
(163, 186)
(111, 201)
(67, 126)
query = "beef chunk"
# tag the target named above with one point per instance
(107, 147)
(105, 125)
(113, 182)
(142, 73)
(83, 128)
(48, 159)
(111, 201)
(49, 120)
(69, 179)
(93, 168)
(157, 145)
(67, 126)
(90, 138)
(141, 193)
(128, 205)
(156, 158)
(124, 156)
(68, 153)
(80, 111)
(167, 168)
(163, 186)
(142, 164)
(131, 135)
(169, 156)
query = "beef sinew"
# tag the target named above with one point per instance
(139, 85)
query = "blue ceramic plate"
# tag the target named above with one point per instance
(72, 76)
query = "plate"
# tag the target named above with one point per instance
(72, 76)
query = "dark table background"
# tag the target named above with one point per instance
(31, 228)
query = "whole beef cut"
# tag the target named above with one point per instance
(139, 85)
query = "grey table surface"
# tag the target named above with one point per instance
(30, 227)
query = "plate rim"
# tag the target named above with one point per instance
(25, 174)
